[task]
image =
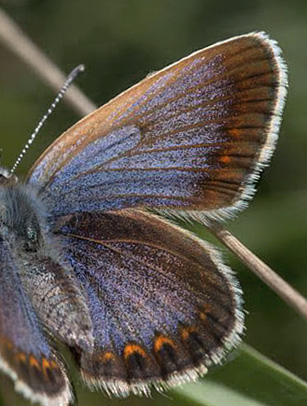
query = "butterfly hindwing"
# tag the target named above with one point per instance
(25, 352)
(191, 137)
(163, 306)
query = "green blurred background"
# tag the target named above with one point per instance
(120, 42)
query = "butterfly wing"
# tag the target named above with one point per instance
(25, 353)
(163, 306)
(190, 137)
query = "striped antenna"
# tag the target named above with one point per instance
(70, 78)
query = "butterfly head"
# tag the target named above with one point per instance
(20, 222)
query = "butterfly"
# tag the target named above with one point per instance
(90, 251)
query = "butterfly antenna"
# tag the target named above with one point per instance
(70, 78)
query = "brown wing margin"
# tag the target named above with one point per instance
(247, 111)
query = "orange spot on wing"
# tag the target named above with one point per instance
(33, 362)
(203, 316)
(21, 357)
(162, 340)
(234, 132)
(225, 159)
(133, 348)
(5, 342)
(186, 332)
(204, 311)
(106, 356)
(46, 365)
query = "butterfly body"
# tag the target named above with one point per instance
(42, 272)
(140, 302)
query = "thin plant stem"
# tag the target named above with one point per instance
(285, 291)
(22, 46)
(18, 42)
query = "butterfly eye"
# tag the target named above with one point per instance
(31, 234)
(32, 238)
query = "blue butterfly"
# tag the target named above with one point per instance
(88, 252)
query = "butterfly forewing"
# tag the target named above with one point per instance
(190, 137)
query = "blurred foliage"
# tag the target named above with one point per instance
(120, 42)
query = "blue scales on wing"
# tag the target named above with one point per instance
(25, 353)
(163, 306)
(191, 137)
